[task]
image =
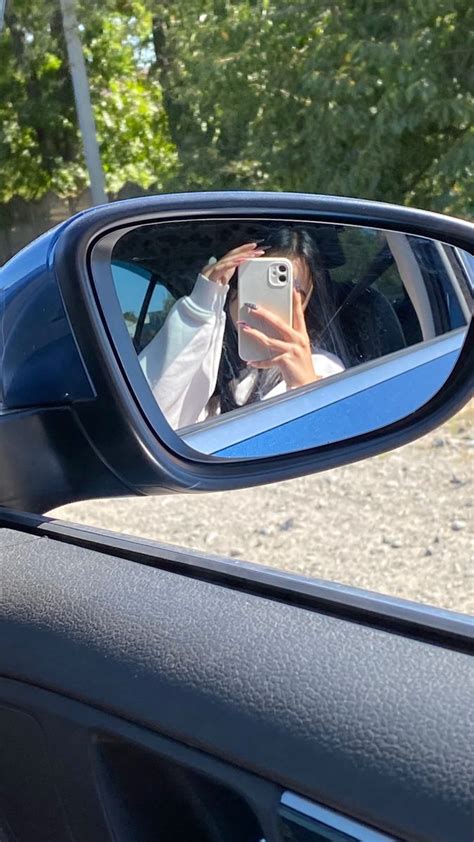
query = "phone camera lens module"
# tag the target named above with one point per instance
(282, 278)
(282, 269)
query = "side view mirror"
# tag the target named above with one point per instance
(203, 342)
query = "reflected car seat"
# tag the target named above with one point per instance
(369, 324)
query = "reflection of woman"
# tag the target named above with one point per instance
(193, 365)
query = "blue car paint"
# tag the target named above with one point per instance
(40, 364)
(363, 412)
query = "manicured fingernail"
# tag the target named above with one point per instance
(251, 306)
(297, 287)
(242, 324)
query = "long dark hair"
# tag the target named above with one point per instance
(323, 328)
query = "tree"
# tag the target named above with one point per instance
(40, 147)
(368, 99)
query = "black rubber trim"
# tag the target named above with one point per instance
(422, 622)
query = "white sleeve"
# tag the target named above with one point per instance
(181, 362)
(326, 364)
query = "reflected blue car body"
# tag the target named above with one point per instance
(360, 413)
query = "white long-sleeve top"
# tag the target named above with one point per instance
(182, 361)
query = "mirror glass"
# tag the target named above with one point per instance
(260, 337)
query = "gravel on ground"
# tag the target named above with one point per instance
(401, 523)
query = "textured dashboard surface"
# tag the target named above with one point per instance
(373, 724)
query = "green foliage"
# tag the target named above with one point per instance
(369, 99)
(129, 316)
(40, 147)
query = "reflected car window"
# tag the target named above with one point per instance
(144, 301)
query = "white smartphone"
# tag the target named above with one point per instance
(266, 282)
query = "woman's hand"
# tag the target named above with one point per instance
(291, 351)
(221, 272)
